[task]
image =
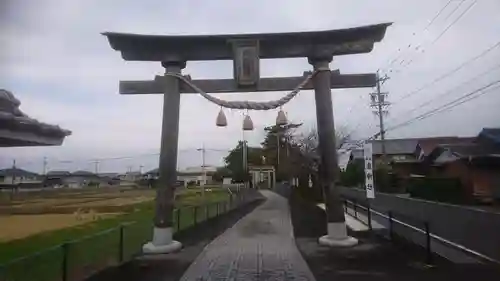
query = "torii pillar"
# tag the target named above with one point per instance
(246, 50)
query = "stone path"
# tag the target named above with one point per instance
(260, 246)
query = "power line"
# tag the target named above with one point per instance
(421, 50)
(450, 91)
(446, 106)
(439, 13)
(97, 161)
(391, 62)
(438, 110)
(453, 71)
(455, 21)
(454, 10)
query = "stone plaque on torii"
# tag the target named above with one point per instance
(246, 50)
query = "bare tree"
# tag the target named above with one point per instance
(309, 142)
(308, 160)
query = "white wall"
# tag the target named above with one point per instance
(8, 180)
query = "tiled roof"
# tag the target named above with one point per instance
(395, 146)
(83, 173)
(428, 144)
(472, 150)
(58, 173)
(492, 134)
(14, 120)
(17, 172)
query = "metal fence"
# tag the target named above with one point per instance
(394, 225)
(77, 259)
(470, 227)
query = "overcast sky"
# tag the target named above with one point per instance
(54, 59)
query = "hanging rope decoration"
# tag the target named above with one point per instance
(247, 123)
(250, 105)
(281, 118)
(221, 120)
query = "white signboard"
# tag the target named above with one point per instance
(369, 185)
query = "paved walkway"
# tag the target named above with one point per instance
(260, 246)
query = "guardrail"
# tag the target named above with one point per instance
(392, 218)
(78, 259)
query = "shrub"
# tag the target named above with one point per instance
(354, 174)
(448, 190)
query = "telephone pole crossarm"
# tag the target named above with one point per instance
(379, 101)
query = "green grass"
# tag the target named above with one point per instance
(95, 245)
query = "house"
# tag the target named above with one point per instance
(427, 145)
(130, 176)
(189, 175)
(153, 174)
(407, 156)
(77, 179)
(109, 178)
(401, 155)
(196, 175)
(489, 137)
(357, 156)
(80, 179)
(476, 165)
(56, 178)
(397, 150)
(16, 176)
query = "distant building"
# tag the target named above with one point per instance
(476, 164)
(130, 176)
(396, 150)
(190, 175)
(109, 178)
(16, 176)
(194, 175)
(77, 179)
(427, 145)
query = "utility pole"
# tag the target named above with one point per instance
(96, 166)
(379, 101)
(203, 171)
(244, 158)
(13, 171)
(44, 165)
(279, 132)
(277, 150)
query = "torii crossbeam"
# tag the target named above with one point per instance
(246, 50)
(337, 81)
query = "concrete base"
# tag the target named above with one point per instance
(162, 242)
(337, 236)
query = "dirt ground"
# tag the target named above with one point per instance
(21, 226)
(30, 214)
(70, 201)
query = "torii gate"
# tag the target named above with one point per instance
(246, 50)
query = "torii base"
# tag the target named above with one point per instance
(337, 236)
(162, 242)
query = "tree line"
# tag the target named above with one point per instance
(293, 152)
